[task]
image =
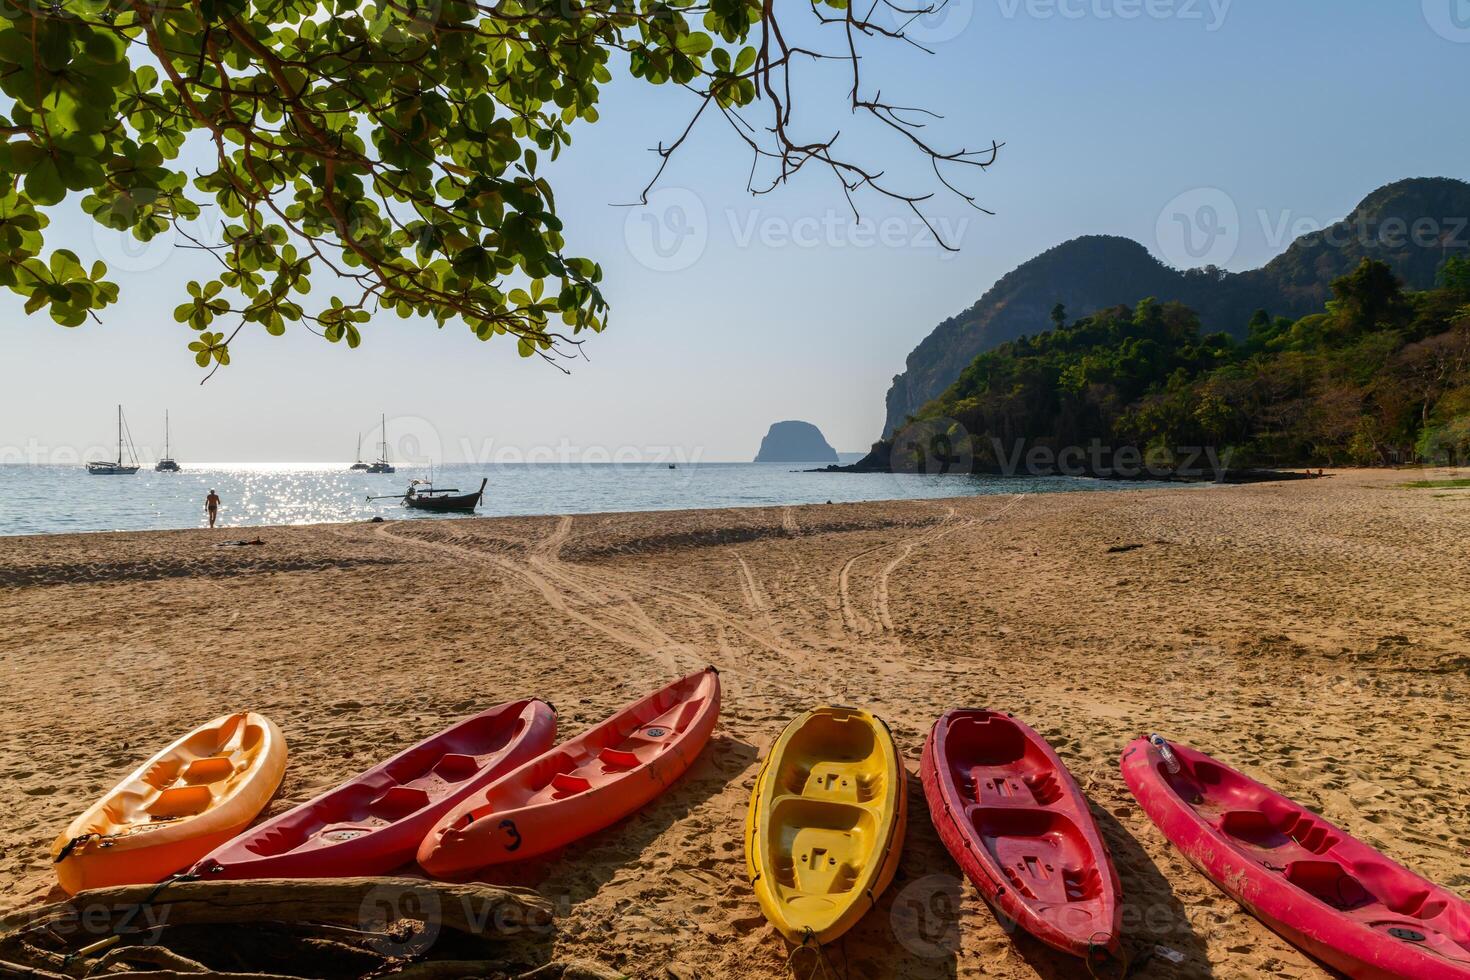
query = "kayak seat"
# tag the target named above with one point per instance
(617, 760)
(1258, 830)
(686, 714)
(454, 768)
(1401, 895)
(181, 801)
(564, 784)
(208, 770)
(1253, 828)
(840, 781)
(1042, 853)
(992, 788)
(1328, 882)
(398, 802)
(823, 865)
(819, 847)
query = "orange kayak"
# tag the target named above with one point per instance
(175, 808)
(582, 785)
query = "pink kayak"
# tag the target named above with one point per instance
(1332, 896)
(374, 822)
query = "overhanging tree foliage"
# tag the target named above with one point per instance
(391, 146)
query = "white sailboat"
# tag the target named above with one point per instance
(119, 468)
(359, 465)
(382, 465)
(167, 464)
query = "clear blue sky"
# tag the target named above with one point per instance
(1110, 109)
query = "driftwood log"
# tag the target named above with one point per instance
(123, 933)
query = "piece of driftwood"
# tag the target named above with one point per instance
(102, 932)
(360, 903)
(158, 956)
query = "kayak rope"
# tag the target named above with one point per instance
(821, 967)
(72, 845)
(1093, 948)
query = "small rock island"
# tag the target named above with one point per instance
(795, 442)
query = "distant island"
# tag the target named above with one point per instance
(795, 442)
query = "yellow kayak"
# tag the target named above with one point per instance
(175, 808)
(826, 823)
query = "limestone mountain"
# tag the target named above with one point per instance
(1097, 272)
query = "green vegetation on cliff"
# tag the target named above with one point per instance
(1412, 225)
(1381, 376)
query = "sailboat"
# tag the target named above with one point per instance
(382, 465)
(359, 465)
(106, 468)
(167, 464)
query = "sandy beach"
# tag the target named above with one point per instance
(1315, 634)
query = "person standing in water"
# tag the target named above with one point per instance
(211, 505)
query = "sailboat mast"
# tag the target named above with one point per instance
(383, 431)
(119, 435)
(165, 433)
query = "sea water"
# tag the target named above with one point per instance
(49, 499)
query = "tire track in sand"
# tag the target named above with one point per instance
(906, 549)
(614, 627)
(748, 587)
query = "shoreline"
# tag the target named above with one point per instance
(1255, 622)
(401, 515)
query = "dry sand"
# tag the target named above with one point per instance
(1315, 634)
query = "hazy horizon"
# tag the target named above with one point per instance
(745, 311)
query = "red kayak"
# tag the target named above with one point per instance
(582, 785)
(374, 823)
(1011, 815)
(1323, 891)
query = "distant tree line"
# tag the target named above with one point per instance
(1381, 376)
